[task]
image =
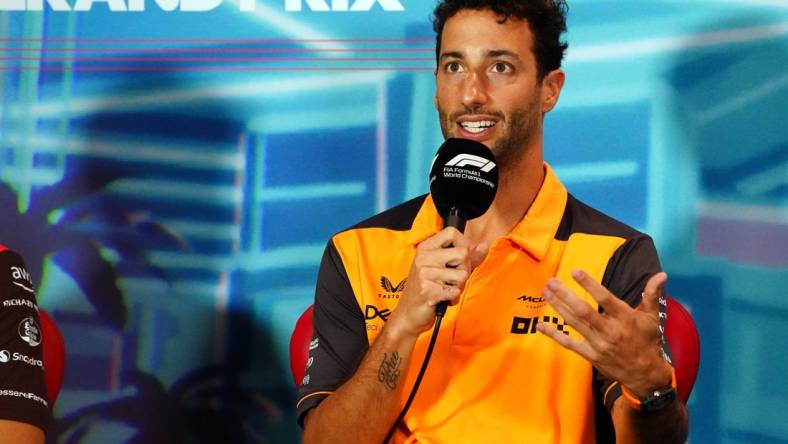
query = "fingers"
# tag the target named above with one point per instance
(653, 292)
(443, 238)
(442, 266)
(454, 277)
(447, 248)
(442, 292)
(441, 285)
(608, 301)
(580, 347)
(582, 326)
(444, 257)
(574, 310)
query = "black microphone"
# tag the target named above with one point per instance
(463, 182)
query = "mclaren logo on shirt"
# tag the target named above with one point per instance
(527, 326)
(532, 301)
(29, 332)
(390, 291)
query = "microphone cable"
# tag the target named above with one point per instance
(440, 310)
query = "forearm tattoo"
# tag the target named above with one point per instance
(389, 370)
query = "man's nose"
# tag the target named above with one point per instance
(474, 92)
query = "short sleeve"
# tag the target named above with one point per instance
(626, 275)
(23, 395)
(339, 341)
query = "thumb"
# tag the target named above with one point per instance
(478, 254)
(653, 292)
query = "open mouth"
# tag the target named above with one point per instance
(477, 127)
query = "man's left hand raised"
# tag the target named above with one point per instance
(621, 342)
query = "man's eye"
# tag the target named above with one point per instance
(453, 67)
(501, 67)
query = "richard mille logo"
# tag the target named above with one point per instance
(390, 291)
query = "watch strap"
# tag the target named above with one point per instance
(655, 400)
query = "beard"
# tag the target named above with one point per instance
(515, 132)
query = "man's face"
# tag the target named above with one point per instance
(487, 88)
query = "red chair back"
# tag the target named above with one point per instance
(299, 345)
(680, 332)
(682, 336)
(54, 356)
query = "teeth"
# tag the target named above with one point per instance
(475, 130)
(477, 127)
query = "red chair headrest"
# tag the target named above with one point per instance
(299, 345)
(54, 356)
(682, 336)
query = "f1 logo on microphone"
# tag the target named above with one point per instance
(461, 160)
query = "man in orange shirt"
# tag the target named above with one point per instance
(533, 349)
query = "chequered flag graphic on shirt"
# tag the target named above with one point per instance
(559, 325)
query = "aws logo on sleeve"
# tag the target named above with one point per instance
(21, 278)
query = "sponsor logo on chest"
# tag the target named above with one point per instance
(390, 291)
(29, 331)
(6, 356)
(21, 278)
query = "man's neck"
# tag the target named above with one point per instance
(517, 189)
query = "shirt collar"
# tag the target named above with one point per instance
(534, 231)
(537, 228)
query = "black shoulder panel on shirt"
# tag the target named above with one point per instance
(580, 218)
(339, 335)
(399, 218)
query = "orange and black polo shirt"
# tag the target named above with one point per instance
(492, 376)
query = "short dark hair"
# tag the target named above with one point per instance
(547, 19)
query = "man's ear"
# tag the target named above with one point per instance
(551, 89)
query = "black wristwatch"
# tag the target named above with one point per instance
(654, 401)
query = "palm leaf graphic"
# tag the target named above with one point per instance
(89, 223)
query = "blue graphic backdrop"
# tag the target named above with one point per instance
(172, 177)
